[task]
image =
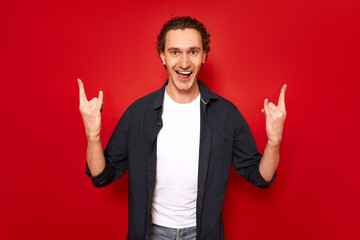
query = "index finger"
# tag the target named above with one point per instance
(281, 102)
(82, 94)
(99, 103)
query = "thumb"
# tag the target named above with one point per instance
(266, 107)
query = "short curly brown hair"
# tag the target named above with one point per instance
(182, 23)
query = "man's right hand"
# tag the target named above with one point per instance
(91, 113)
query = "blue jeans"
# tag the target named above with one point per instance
(165, 233)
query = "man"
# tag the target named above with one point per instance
(178, 144)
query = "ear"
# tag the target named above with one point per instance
(204, 58)
(162, 56)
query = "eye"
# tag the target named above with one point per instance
(174, 52)
(193, 52)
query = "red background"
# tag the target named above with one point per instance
(256, 46)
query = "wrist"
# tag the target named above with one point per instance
(93, 138)
(274, 143)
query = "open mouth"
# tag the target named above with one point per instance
(183, 74)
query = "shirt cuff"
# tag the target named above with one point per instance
(99, 180)
(260, 181)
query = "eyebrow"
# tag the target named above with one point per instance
(173, 49)
(177, 49)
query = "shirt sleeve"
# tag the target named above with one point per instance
(116, 154)
(246, 157)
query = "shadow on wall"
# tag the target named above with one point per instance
(206, 74)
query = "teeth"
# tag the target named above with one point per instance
(185, 72)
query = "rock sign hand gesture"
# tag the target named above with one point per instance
(275, 117)
(90, 112)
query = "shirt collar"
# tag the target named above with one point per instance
(205, 94)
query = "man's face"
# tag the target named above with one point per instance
(183, 56)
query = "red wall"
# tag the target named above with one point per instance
(256, 46)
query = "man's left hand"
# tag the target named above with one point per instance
(275, 117)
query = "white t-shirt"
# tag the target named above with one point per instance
(174, 201)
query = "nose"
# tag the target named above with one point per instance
(184, 61)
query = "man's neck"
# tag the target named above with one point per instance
(183, 96)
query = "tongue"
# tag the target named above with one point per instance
(183, 75)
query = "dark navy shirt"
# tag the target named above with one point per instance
(225, 139)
